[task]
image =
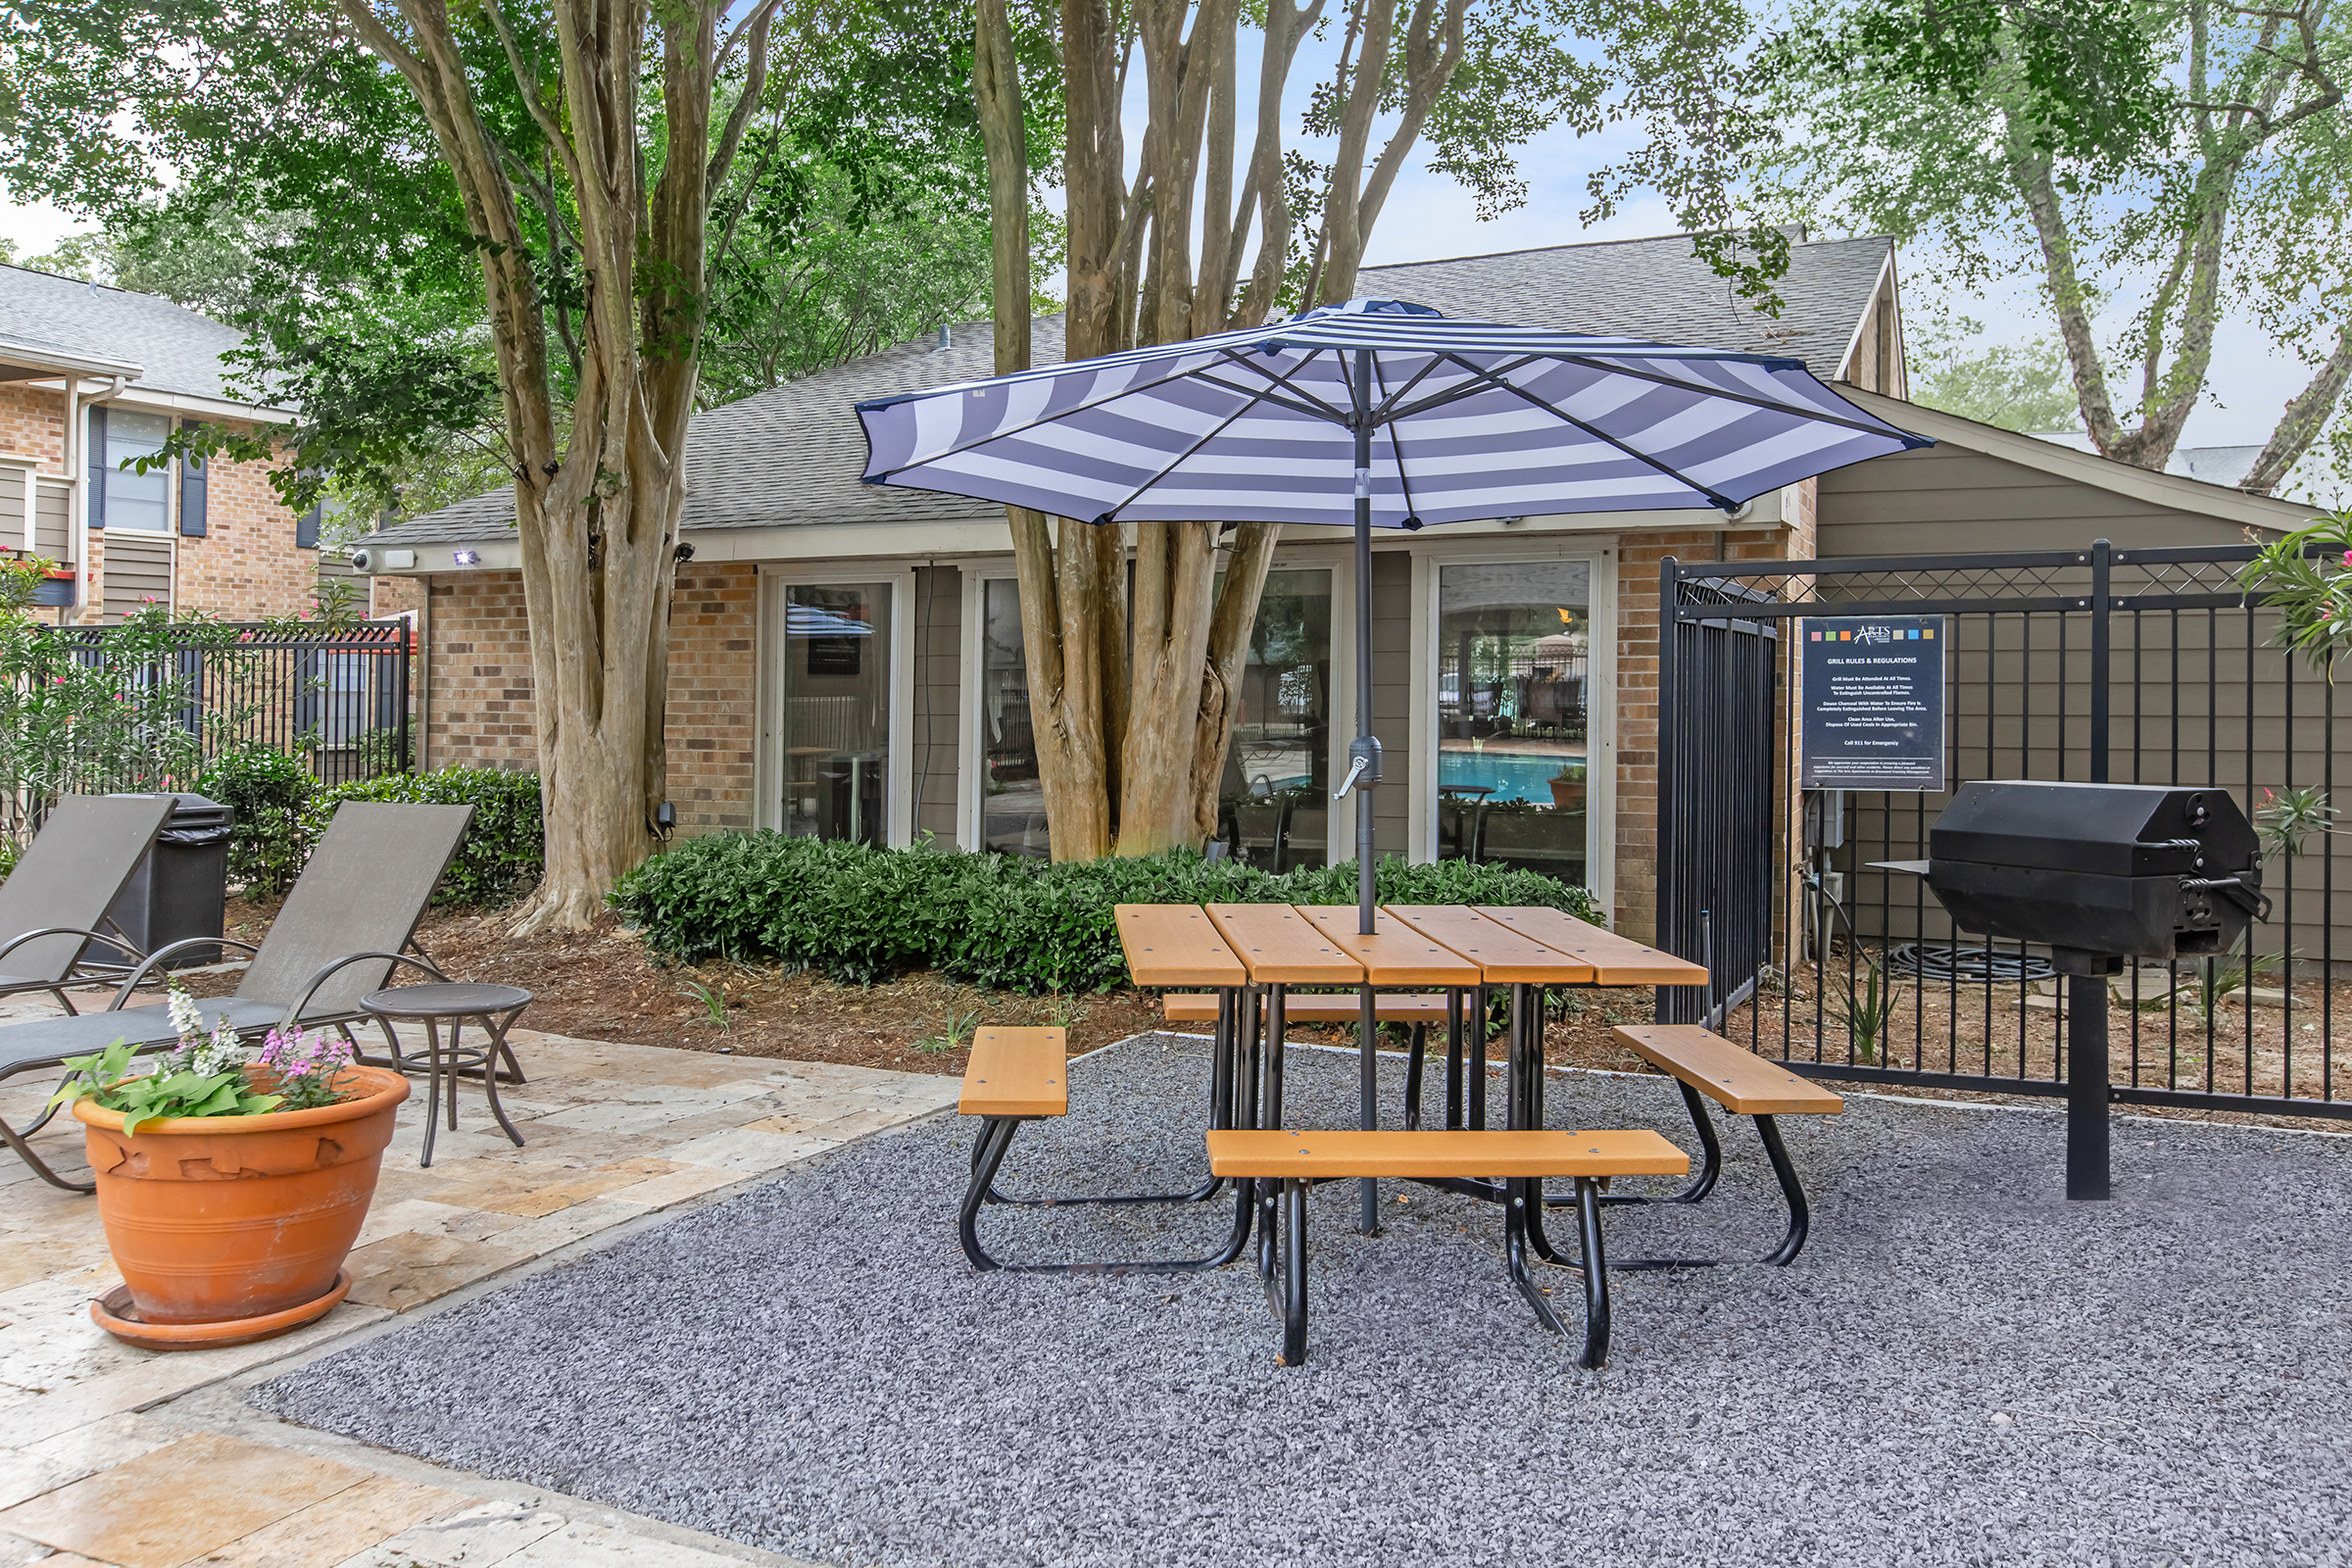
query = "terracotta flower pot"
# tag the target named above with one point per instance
(228, 1219)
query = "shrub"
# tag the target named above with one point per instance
(859, 914)
(268, 789)
(504, 849)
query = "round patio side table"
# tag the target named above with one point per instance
(496, 1007)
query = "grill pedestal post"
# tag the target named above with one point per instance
(2087, 1085)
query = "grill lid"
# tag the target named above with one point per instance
(2125, 830)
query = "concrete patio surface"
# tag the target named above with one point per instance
(92, 1471)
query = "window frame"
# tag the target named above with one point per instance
(1599, 555)
(768, 685)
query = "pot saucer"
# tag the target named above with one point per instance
(114, 1313)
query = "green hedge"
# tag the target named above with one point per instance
(268, 789)
(504, 850)
(860, 914)
(282, 810)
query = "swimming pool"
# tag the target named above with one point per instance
(1512, 775)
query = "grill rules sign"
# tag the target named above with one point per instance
(1872, 702)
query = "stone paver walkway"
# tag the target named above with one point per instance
(112, 1455)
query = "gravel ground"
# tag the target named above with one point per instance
(1962, 1368)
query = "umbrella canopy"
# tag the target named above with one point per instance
(1466, 420)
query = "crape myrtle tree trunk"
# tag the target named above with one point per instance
(1207, 229)
(597, 508)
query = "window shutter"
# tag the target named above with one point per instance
(97, 510)
(305, 527)
(192, 475)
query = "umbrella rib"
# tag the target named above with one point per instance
(1315, 404)
(1396, 442)
(1259, 395)
(999, 435)
(1453, 394)
(1717, 498)
(1389, 410)
(1608, 368)
(1110, 512)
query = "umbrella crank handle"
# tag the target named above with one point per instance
(1355, 770)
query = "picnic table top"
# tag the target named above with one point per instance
(1396, 954)
(1442, 944)
(1281, 947)
(1616, 961)
(1175, 945)
(1505, 955)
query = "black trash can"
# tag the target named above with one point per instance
(181, 890)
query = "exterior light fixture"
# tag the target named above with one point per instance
(465, 557)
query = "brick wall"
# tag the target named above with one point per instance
(245, 565)
(1637, 895)
(480, 705)
(33, 422)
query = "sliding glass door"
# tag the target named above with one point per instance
(834, 727)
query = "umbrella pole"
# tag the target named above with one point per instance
(1367, 750)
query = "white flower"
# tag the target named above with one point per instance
(186, 1017)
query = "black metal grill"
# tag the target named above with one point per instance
(2122, 870)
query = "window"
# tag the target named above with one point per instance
(1012, 800)
(836, 711)
(1274, 805)
(125, 498)
(1513, 648)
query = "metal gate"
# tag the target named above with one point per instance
(2135, 666)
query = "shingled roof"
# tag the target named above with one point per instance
(792, 456)
(176, 349)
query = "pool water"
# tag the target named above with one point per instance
(1512, 775)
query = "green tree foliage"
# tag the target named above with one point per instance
(309, 206)
(2018, 386)
(2147, 165)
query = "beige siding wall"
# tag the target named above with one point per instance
(138, 569)
(1392, 710)
(938, 698)
(53, 512)
(1946, 500)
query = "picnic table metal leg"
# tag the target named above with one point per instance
(1293, 1273)
(988, 1155)
(1453, 1059)
(1799, 1217)
(1478, 1060)
(1515, 1215)
(1412, 1078)
(1277, 1031)
(1711, 1164)
(1596, 1273)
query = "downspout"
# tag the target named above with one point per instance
(77, 482)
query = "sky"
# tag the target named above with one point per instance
(1430, 217)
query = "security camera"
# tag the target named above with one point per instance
(371, 560)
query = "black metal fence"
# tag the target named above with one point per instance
(335, 696)
(2129, 666)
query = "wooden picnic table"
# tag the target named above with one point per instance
(1246, 952)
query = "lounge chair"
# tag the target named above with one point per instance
(342, 929)
(54, 901)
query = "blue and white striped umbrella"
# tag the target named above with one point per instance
(1465, 419)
